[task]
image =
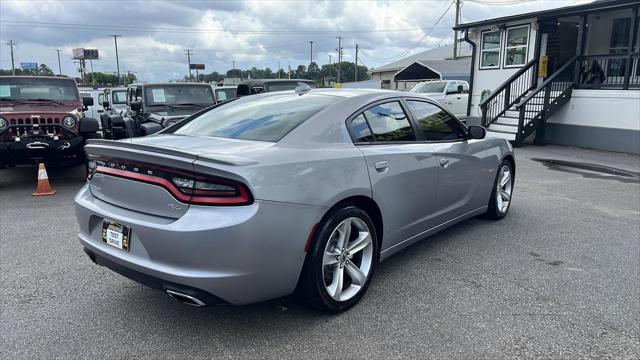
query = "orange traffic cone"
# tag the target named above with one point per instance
(44, 188)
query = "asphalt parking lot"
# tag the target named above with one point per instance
(558, 278)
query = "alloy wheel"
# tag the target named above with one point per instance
(504, 189)
(347, 259)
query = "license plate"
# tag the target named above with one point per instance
(116, 235)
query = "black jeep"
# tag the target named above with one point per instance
(153, 107)
(42, 120)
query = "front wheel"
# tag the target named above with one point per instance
(341, 261)
(502, 191)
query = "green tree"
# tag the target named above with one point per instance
(42, 70)
(234, 73)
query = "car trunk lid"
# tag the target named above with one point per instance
(136, 173)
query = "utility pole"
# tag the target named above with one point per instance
(278, 69)
(189, 53)
(13, 66)
(339, 57)
(455, 33)
(330, 63)
(356, 72)
(59, 66)
(311, 52)
(93, 74)
(115, 41)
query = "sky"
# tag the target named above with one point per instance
(155, 34)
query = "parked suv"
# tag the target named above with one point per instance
(153, 107)
(453, 95)
(42, 120)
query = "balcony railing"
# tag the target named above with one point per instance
(610, 71)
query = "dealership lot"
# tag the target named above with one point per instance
(557, 278)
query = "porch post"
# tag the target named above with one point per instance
(581, 45)
(632, 43)
(536, 54)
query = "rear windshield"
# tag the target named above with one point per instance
(259, 118)
(178, 95)
(429, 87)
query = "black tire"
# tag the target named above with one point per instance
(494, 212)
(311, 287)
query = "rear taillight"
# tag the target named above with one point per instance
(206, 191)
(199, 189)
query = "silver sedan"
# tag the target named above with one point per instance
(297, 191)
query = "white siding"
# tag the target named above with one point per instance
(491, 79)
(617, 109)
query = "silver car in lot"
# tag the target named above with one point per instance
(287, 192)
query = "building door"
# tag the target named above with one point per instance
(562, 44)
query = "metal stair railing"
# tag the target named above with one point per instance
(509, 93)
(536, 107)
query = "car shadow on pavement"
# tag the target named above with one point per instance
(284, 314)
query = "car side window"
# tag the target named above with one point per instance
(389, 123)
(435, 123)
(361, 129)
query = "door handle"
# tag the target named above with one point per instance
(381, 166)
(444, 163)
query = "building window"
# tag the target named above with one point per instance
(516, 47)
(490, 50)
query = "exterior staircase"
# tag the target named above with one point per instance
(519, 107)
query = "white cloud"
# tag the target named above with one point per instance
(156, 55)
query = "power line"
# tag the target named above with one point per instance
(414, 45)
(191, 30)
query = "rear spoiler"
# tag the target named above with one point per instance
(107, 147)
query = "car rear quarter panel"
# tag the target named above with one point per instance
(306, 176)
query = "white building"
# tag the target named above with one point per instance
(433, 64)
(566, 76)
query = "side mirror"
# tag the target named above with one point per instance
(87, 101)
(135, 105)
(460, 89)
(476, 132)
(105, 105)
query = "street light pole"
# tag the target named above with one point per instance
(311, 52)
(339, 58)
(115, 41)
(59, 66)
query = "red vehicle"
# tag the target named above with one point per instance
(42, 120)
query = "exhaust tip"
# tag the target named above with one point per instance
(185, 299)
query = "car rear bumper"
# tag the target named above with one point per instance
(239, 255)
(29, 152)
